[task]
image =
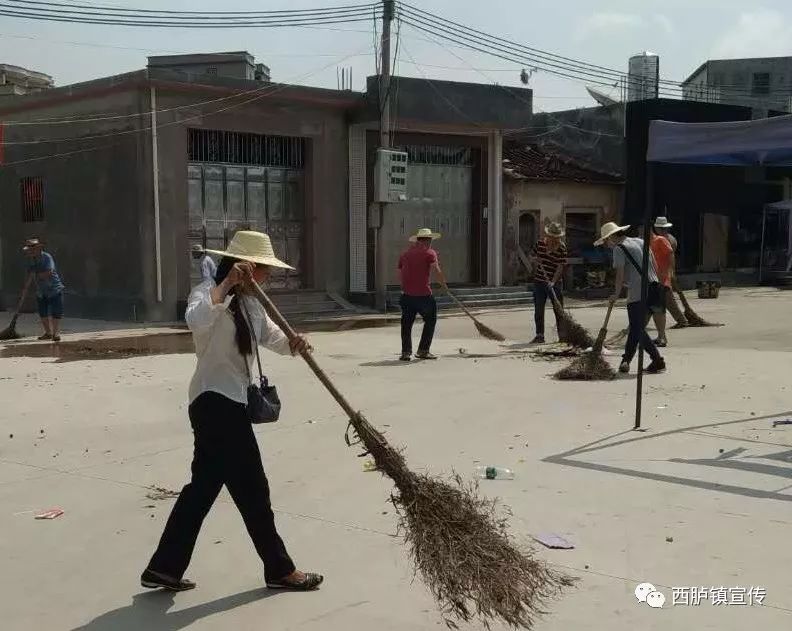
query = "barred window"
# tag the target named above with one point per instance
(31, 190)
(206, 145)
(446, 155)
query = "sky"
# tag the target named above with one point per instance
(607, 32)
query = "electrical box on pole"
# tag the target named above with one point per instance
(390, 176)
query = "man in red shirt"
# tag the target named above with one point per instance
(415, 267)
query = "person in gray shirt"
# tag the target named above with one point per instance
(627, 261)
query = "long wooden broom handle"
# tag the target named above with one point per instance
(23, 296)
(277, 317)
(681, 294)
(554, 298)
(458, 302)
(608, 315)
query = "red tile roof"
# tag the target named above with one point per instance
(532, 163)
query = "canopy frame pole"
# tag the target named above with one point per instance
(762, 247)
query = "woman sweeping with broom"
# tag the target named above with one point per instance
(227, 327)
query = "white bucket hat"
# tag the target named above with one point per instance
(662, 222)
(425, 233)
(255, 247)
(608, 230)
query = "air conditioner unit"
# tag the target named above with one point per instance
(390, 176)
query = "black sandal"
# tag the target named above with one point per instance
(154, 580)
(307, 584)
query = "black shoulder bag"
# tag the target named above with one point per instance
(263, 403)
(653, 286)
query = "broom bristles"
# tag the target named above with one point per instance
(461, 546)
(10, 332)
(589, 367)
(693, 318)
(490, 334)
(569, 330)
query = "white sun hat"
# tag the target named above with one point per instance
(662, 222)
(254, 247)
(425, 233)
(608, 230)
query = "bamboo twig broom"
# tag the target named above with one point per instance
(10, 332)
(458, 542)
(483, 329)
(569, 330)
(693, 318)
(591, 366)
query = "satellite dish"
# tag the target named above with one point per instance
(525, 75)
(600, 97)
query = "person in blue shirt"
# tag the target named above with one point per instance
(49, 288)
(207, 264)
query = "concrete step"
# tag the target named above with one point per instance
(299, 297)
(472, 291)
(476, 297)
(484, 295)
(307, 305)
(487, 303)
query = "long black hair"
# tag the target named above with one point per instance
(242, 336)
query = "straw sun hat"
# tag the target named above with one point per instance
(554, 229)
(425, 233)
(255, 247)
(662, 222)
(608, 230)
(30, 244)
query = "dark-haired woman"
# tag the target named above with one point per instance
(225, 323)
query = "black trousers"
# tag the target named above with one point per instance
(637, 334)
(411, 306)
(541, 294)
(226, 452)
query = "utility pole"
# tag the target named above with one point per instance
(381, 265)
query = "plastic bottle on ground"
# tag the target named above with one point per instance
(494, 473)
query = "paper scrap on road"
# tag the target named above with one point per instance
(50, 514)
(554, 542)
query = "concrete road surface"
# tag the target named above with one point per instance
(701, 499)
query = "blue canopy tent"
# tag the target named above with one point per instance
(765, 142)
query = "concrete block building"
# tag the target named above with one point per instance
(763, 83)
(131, 170)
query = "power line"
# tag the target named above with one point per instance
(456, 108)
(169, 51)
(512, 54)
(95, 7)
(540, 53)
(191, 25)
(86, 14)
(560, 124)
(567, 67)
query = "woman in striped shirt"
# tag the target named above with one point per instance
(548, 256)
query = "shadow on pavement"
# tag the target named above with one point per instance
(389, 362)
(149, 611)
(730, 460)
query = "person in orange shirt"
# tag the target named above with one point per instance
(664, 259)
